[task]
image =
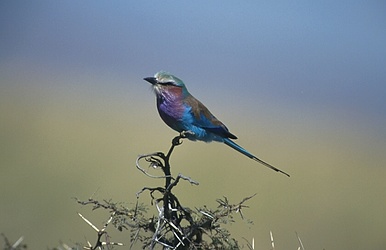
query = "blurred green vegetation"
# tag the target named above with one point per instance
(74, 136)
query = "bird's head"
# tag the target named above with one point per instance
(164, 82)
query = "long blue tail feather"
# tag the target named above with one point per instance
(235, 146)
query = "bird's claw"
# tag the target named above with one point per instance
(186, 134)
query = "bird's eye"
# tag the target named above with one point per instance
(167, 83)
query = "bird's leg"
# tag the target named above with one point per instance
(186, 134)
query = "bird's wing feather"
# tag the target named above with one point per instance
(203, 118)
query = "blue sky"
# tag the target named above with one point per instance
(321, 53)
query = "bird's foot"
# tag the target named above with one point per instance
(186, 134)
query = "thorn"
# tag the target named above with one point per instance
(17, 243)
(88, 222)
(272, 242)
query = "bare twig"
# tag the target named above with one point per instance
(99, 243)
(300, 242)
(154, 163)
(14, 246)
(272, 241)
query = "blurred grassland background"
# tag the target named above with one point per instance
(301, 84)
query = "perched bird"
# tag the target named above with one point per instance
(185, 114)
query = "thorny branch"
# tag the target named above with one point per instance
(174, 226)
(172, 213)
(15, 246)
(99, 243)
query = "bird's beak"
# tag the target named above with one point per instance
(151, 80)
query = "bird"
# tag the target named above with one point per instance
(185, 114)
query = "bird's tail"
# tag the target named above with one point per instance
(235, 146)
